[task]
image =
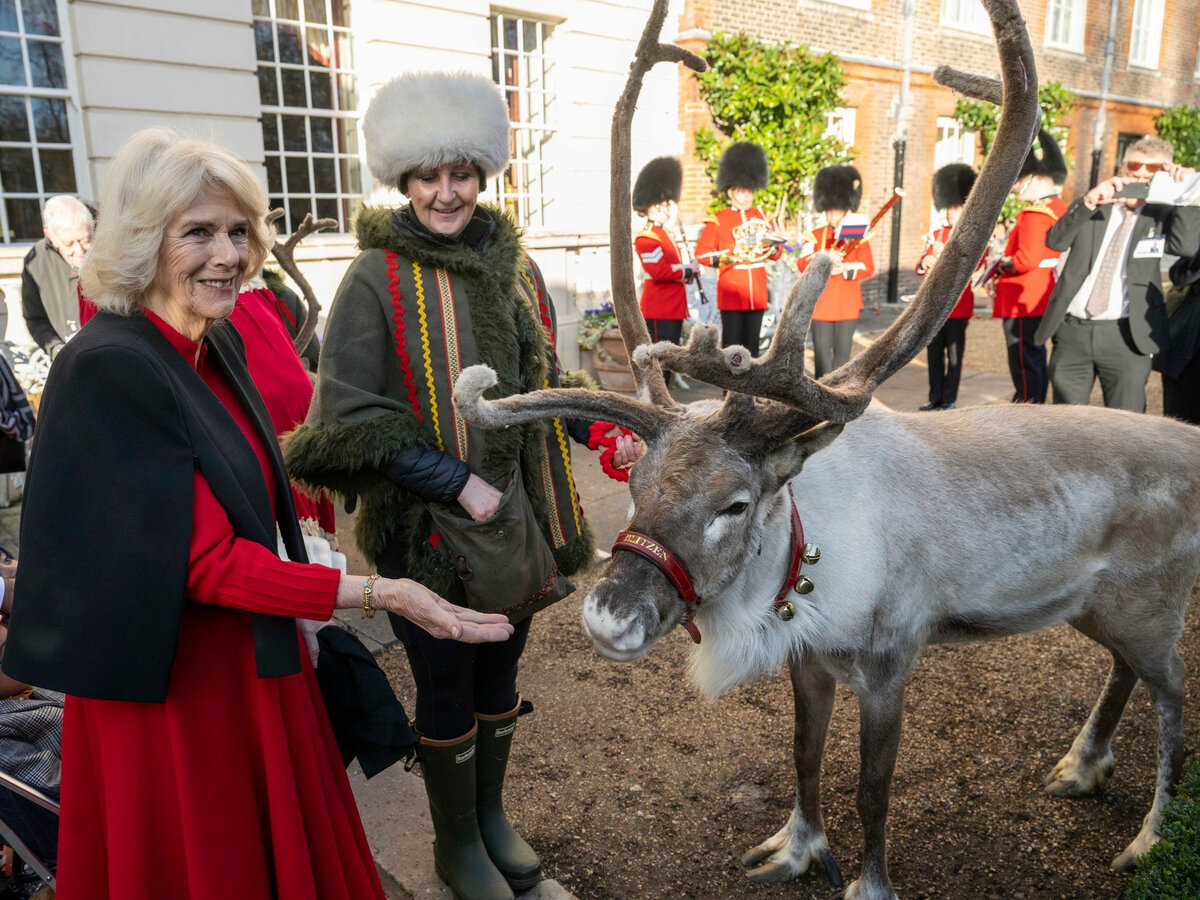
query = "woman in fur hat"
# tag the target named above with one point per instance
(738, 241)
(664, 295)
(1025, 276)
(443, 283)
(951, 184)
(837, 190)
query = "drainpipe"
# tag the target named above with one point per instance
(908, 10)
(1098, 133)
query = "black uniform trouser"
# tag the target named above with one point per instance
(945, 357)
(456, 680)
(1181, 395)
(669, 330)
(1026, 360)
(742, 326)
(1087, 349)
(832, 343)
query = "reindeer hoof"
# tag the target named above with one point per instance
(774, 872)
(1128, 858)
(755, 855)
(1071, 778)
(831, 869)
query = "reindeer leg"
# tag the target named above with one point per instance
(1164, 680)
(881, 710)
(791, 850)
(1089, 762)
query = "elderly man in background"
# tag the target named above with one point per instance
(49, 301)
(1107, 314)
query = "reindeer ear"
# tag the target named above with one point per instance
(789, 459)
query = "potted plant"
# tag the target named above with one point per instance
(599, 335)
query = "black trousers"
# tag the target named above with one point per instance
(832, 343)
(1181, 395)
(669, 330)
(456, 680)
(1026, 360)
(742, 326)
(1086, 349)
(945, 358)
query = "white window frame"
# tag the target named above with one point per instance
(345, 157)
(953, 144)
(1065, 21)
(74, 144)
(841, 122)
(1145, 33)
(523, 187)
(1198, 59)
(966, 15)
(864, 5)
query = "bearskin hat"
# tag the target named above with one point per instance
(743, 165)
(951, 184)
(837, 187)
(661, 179)
(1050, 162)
(423, 120)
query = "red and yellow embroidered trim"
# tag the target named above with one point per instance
(453, 358)
(423, 321)
(398, 333)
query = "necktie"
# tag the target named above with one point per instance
(1097, 301)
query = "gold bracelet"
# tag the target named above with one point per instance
(368, 592)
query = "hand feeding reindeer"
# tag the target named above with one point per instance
(728, 492)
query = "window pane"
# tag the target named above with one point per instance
(8, 15)
(16, 171)
(12, 69)
(293, 87)
(350, 210)
(341, 12)
(327, 208)
(322, 134)
(319, 51)
(41, 17)
(529, 36)
(321, 85)
(297, 175)
(274, 176)
(278, 203)
(14, 124)
(510, 33)
(323, 176)
(261, 7)
(287, 9)
(50, 121)
(270, 127)
(294, 136)
(347, 130)
(24, 220)
(347, 92)
(314, 11)
(289, 44)
(264, 40)
(351, 176)
(297, 208)
(268, 91)
(58, 171)
(343, 56)
(46, 64)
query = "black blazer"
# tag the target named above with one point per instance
(106, 519)
(1081, 230)
(1184, 326)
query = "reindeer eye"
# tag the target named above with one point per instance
(735, 509)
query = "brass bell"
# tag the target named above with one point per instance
(786, 611)
(804, 585)
(811, 553)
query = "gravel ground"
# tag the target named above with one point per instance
(631, 786)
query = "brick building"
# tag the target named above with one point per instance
(1154, 63)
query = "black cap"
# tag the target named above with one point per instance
(837, 187)
(743, 165)
(661, 179)
(951, 184)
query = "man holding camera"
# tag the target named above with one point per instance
(1106, 315)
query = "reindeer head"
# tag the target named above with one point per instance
(713, 471)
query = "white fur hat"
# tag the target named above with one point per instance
(425, 119)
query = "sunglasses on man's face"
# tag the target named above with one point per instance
(1134, 165)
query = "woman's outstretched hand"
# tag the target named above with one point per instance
(425, 609)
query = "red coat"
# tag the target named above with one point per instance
(663, 293)
(965, 307)
(1026, 290)
(741, 284)
(841, 301)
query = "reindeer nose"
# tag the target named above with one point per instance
(619, 634)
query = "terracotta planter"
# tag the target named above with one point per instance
(612, 363)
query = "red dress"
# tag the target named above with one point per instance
(233, 787)
(285, 387)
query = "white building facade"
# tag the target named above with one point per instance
(284, 83)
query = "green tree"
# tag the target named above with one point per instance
(983, 117)
(777, 96)
(1181, 126)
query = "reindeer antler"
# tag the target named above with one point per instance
(843, 394)
(283, 253)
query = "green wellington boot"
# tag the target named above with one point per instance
(459, 856)
(514, 858)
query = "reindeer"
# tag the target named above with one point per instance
(732, 498)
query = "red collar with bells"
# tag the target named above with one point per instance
(677, 574)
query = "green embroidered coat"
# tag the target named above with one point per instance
(407, 318)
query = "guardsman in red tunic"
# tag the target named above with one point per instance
(837, 190)
(951, 184)
(740, 240)
(1025, 276)
(664, 297)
